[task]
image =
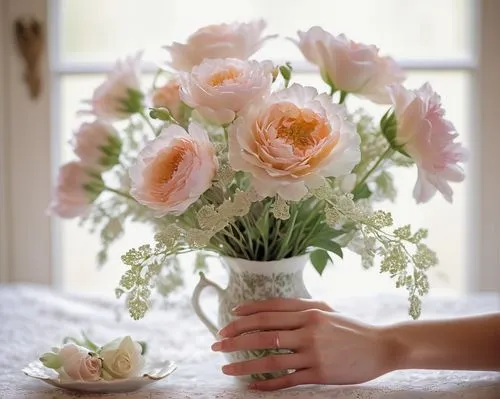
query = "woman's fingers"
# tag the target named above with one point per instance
(264, 321)
(267, 364)
(300, 377)
(261, 340)
(280, 305)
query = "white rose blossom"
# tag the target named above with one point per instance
(121, 358)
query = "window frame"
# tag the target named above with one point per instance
(29, 247)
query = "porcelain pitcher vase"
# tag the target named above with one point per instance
(252, 280)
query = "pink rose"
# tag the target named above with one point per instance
(174, 170)
(78, 364)
(424, 134)
(76, 189)
(120, 95)
(218, 89)
(236, 40)
(292, 141)
(97, 144)
(351, 67)
(168, 96)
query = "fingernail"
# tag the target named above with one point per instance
(227, 369)
(236, 310)
(216, 346)
(222, 332)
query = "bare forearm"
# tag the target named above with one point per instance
(471, 343)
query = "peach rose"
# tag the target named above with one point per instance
(236, 40)
(120, 95)
(97, 144)
(293, 141)
(78, 364)
(424, 134)
(76, 189)
(168, 96)
(218, 89)
(352, 67)
(174, 170)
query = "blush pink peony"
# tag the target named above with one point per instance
(174, 170)
(218, 89)
(76, 189)
(112, 99)
(292, 141)
(429, 138)
(97, 144)
(168, 96)
(352, 67)
(236, 40)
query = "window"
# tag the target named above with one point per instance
(434, 41)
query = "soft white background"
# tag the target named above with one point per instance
(452, 43)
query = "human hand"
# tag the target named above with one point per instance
(328, 348)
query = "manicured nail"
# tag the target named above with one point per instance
(236, 310)
(216, 347)
(222, 332)
(227, 369)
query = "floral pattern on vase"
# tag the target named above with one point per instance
(249, 281)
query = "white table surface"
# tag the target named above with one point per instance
(32, 319)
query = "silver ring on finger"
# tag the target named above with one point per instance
(277, 340)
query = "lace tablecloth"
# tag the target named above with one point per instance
(32, 319)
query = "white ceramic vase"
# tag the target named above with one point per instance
(252, 280)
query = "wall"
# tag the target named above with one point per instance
(25, 233)
(4, 220)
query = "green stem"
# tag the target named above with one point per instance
(155, 78)
(284, 244)
(343, 96)
(237, 241)
(244, 221)
(384, 155)
(120, 193)
(146, 119)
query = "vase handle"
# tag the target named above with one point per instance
(195, 301)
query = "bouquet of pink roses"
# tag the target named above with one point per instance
(229, 155)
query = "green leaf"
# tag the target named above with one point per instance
(330, 246)
(87, 343)
(51, 360)
(319, 259)
(144, 347)
(361, 192)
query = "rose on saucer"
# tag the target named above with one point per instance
(85, 361)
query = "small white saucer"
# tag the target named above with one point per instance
(152, 372)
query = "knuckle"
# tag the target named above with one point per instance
(261, 340)
(321, 305)
(314, 315)
(273, 362)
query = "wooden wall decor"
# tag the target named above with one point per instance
(30, 41)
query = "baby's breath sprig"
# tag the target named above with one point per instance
(404, 256)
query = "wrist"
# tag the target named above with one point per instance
(397, 349)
